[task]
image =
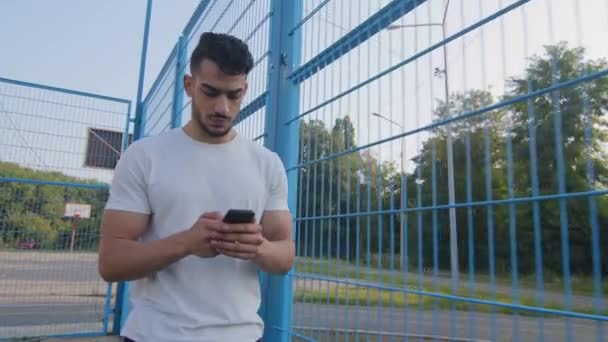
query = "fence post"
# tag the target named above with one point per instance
(122, 306)
(139, 114)
(282, 104)
(178, 89)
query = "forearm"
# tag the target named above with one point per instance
(276, 256)
(125, 260)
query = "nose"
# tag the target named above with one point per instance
(221, 105)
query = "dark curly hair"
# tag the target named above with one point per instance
(231, 54)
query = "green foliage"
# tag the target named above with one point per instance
(492, 154)
(33, 212)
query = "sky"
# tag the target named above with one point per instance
(95, 46)
(477, 60)
(91, 46)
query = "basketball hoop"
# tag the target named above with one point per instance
(76, 211)
(81, 210)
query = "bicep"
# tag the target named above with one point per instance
(277, 221)
(118, 224)
(127, 210)
(277, 225)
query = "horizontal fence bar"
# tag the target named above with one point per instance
(466, 115)
(168, 63)
(292, 333)
(264, 135)
(310, 15)
(413, 58)
(471, 300)
(376, 23)
(240, 17)
(63, 90)
(258, 27)
(194, 19)
(253, 106)
(47, 182)
(515, 200)
(385, 333)
(75, 335)
(32, 99)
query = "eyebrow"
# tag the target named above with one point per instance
(212, 88)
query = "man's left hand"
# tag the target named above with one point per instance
(240, 241)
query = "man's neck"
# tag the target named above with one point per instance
(195, 132)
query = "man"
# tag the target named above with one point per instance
(195, 277)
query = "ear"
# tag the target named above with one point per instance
(188, 85)
(245, 87)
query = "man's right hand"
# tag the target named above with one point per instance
(206, 229)
(123, 258)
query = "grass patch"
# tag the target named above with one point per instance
(581, 285)
(332, 293)
(338, 336)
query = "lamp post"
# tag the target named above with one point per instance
(449, 150)
(403, 205)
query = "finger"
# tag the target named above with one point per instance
(214, 215)
(244, 256)
(214, 225)
(234, 247)
(248, 239)
(244, 228)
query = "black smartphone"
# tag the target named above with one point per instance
(239, 216)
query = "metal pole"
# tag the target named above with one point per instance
(74, 228)
(451, 192)
(403, 207)
(122, 306)
(178, 90)
(282, 104)
(142, 70)
(450, 156)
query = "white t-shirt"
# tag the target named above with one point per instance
(176, 179)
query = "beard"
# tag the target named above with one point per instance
(212, 131)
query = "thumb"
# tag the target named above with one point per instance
(212, 215)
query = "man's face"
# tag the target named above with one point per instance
(216, 98)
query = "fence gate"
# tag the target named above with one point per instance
(58, 148)
(446, 162)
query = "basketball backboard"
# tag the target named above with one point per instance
(80, 209)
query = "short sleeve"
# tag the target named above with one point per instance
(128, 190)
(278, 189)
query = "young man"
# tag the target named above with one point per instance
(195, 277)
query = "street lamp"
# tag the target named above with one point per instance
(403, 205)
(450, 155)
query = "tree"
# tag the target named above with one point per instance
(34, 211)
(474, 140)
(336, 182)
(495, 155)
(569, 123)
(494, 160)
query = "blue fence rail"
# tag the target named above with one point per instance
(57, 151)
(446, 161)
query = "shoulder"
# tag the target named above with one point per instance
(262, 154)
(147, 147)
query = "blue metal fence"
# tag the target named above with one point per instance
(57, 151)
(446, 161)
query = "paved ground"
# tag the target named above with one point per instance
(411, 322)
(88, 339)
(50, 293)
(53, 293)
(444, 280)
(398, 321)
